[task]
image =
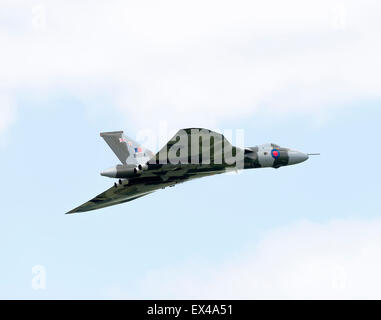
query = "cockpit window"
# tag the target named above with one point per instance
(275, 145)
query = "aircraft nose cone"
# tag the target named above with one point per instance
(111, 172)
(297, 157)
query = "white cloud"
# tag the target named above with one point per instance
(340, 259)
(174, 60)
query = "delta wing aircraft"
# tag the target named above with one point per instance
(192, 153)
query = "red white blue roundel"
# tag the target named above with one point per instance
(275, 153)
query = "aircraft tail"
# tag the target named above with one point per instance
(127, 150)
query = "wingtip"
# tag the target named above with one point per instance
(73, 211)
(77, 210)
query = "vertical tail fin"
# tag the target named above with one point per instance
(127, 150)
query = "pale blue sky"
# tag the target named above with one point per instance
(307, 79)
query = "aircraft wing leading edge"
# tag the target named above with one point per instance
(113, 196)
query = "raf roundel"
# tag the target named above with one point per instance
(275, 153)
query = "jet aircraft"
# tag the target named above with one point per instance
(192, 153)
